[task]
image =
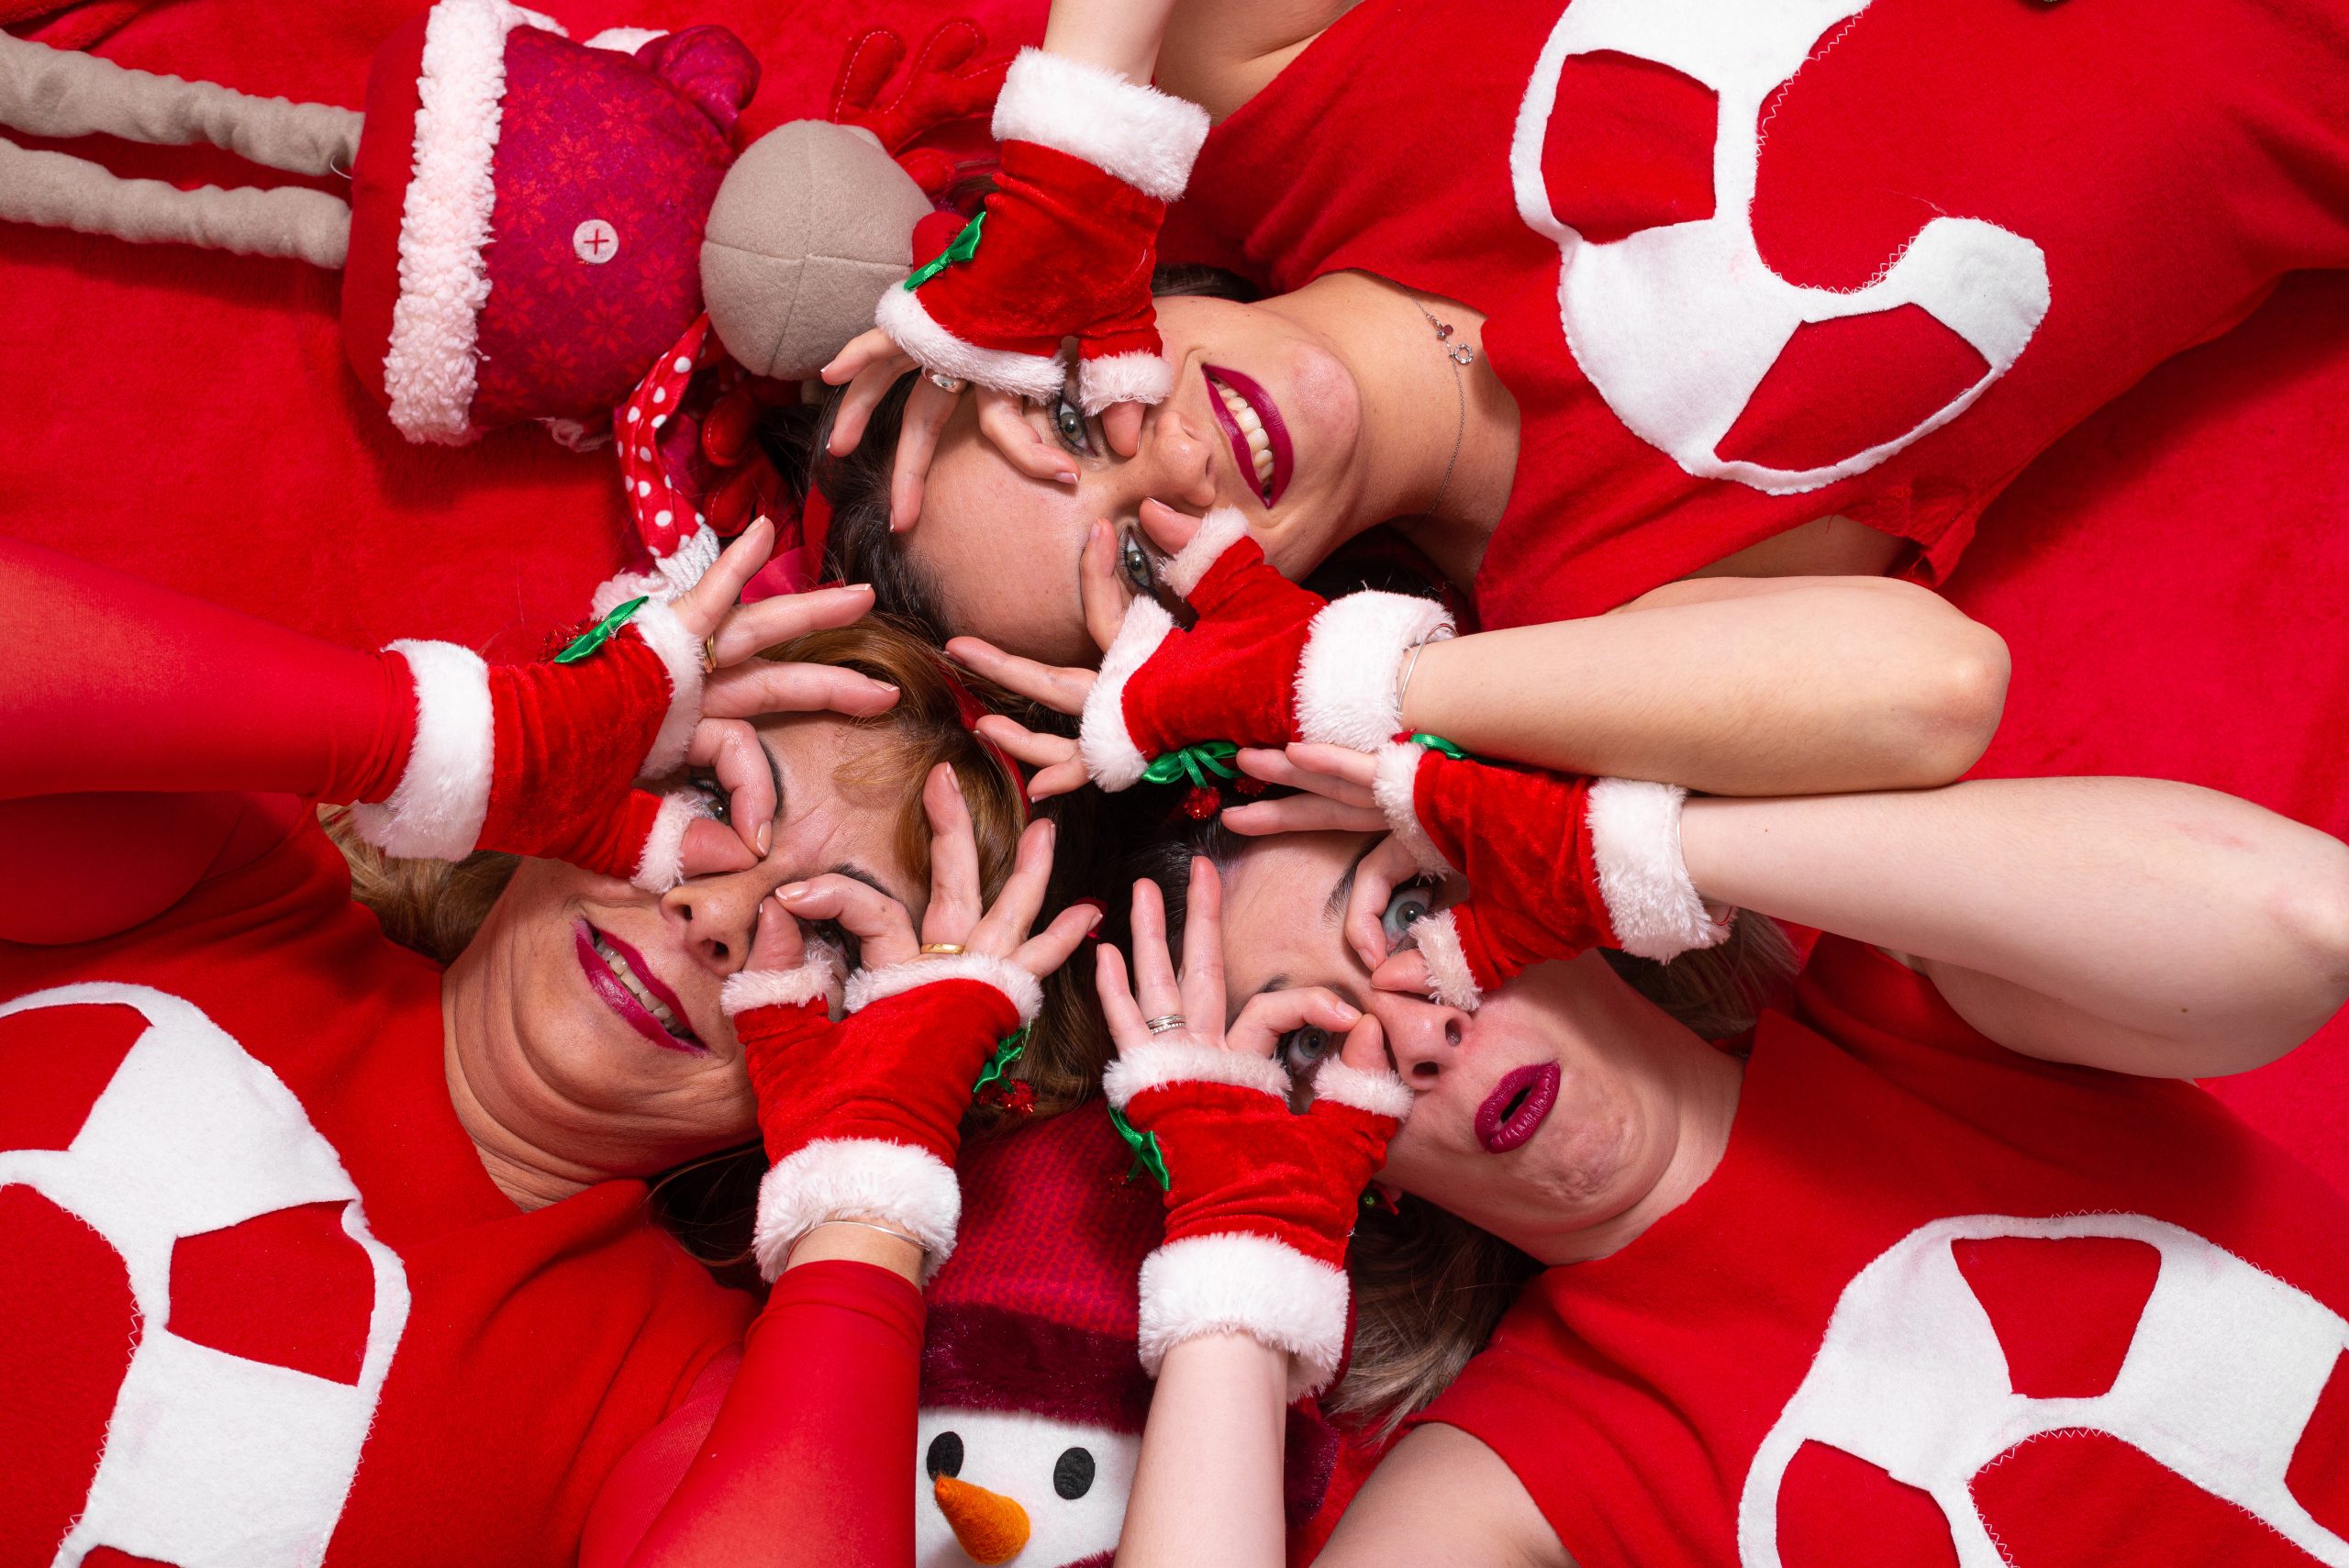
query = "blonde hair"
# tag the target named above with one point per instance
(436, 907)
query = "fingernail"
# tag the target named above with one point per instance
(766, 838)
(795, 891)
(1067, 476)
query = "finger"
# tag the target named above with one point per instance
(1061, 778)
(1036, 750)
(1006, 924)
(1122, 424)
(1062, 689)
(1051, 947)
(701, 609)
(1405, 973)
(954, 897)
(1282, 768)
(748, 691)
(1203, 942)
(730, 749)
(1343, 763)
(869, 347)
(1154, 986)
(711, 849)
(778, 943)
(747, 630)
(1366, 1047)
(1169, 529)
(882, 929)
(1003, 420)
(1387, 867)
(1268, 1015)
(1302, 813)
(1118, 1008)
(926, 410)
(1099, 589)
(867, 391)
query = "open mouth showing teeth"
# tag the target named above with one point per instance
(1259, 438)
(644, 1003)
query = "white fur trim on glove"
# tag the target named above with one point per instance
(1135, 376)
(816, 975)
(901, 314)
(1021, 989)
(1145, 137)
(1102, 739)
(1218, 531)
(1345, 681)
(834, 1178)
(1251, 1285)
(436, 811)
(680, 653)
(661, 865)
(1394, 786)
(428, 362)
(1156, 1066)
(1380, 1093)
(1449, 980)
(1635, 843)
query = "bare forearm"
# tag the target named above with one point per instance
(1810, 688)
(1208, 1487)
(1117, 35)
(2135, 924)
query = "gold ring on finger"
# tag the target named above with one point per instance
(709, 654)
(945, 949)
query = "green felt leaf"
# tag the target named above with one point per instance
(965, 246)
(1437, 743)
(1193, 762)
(1005, 1054)
(596, 636)
(1147, 1157)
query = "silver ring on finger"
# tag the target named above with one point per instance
(947, 383)
(1165, 1021)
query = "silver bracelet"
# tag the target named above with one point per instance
(862, 1224)
(1403, 685)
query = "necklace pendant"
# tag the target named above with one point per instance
(1443, 328)
(1461, 354)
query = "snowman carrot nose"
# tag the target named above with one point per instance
(991, 1527)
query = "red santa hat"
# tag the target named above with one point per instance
(1036, 1311)
(526, 213)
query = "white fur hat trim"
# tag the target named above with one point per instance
(1244, 1283)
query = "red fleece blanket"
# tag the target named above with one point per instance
(2173, 578)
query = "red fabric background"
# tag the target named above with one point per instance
(189, 415)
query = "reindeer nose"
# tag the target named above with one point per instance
(991, 1527)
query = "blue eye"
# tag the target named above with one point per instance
(1300, 1051)
(1068, 423)
(1411, 903)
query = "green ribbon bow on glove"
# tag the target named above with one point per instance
(1145, 1147)
(1193, 762)
(964, 247)
(596, 636)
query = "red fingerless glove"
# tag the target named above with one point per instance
(542, 759)
(863, 1117)
(1266, 662)
(1555, 865)
(1064, 245)
(1260, 1201)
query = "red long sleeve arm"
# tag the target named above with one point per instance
(810, 1459)
(109, 684)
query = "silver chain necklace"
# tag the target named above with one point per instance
(1462, 356)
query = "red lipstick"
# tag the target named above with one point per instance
(1268, 414)
(615, 995)
(1517, 1108)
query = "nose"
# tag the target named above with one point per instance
(718, 916)
(991, 1527)
(1423, 1037)
(1180, 458)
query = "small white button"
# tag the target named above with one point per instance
(595, 241)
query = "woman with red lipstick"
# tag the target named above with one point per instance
(325, 1252)
(1855, 1288)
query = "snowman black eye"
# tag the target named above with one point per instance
(945, 1456)
(1073, 1475)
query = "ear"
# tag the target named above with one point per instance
(710, 66)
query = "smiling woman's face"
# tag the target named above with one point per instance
(590, 1017)
(1536, 1116)
(1249, 379)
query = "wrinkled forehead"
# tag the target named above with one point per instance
(1284, 911)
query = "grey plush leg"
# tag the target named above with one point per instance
(58, 192)
(64, 92)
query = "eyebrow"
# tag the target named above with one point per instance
(855, 873)
(1335, 904)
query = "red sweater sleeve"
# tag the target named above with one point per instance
(810, 1459)
(109, 684)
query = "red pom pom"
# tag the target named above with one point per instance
(1201, 802)
(1010, 1095)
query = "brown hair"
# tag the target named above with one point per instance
(1429, 1286)
(435, 907)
